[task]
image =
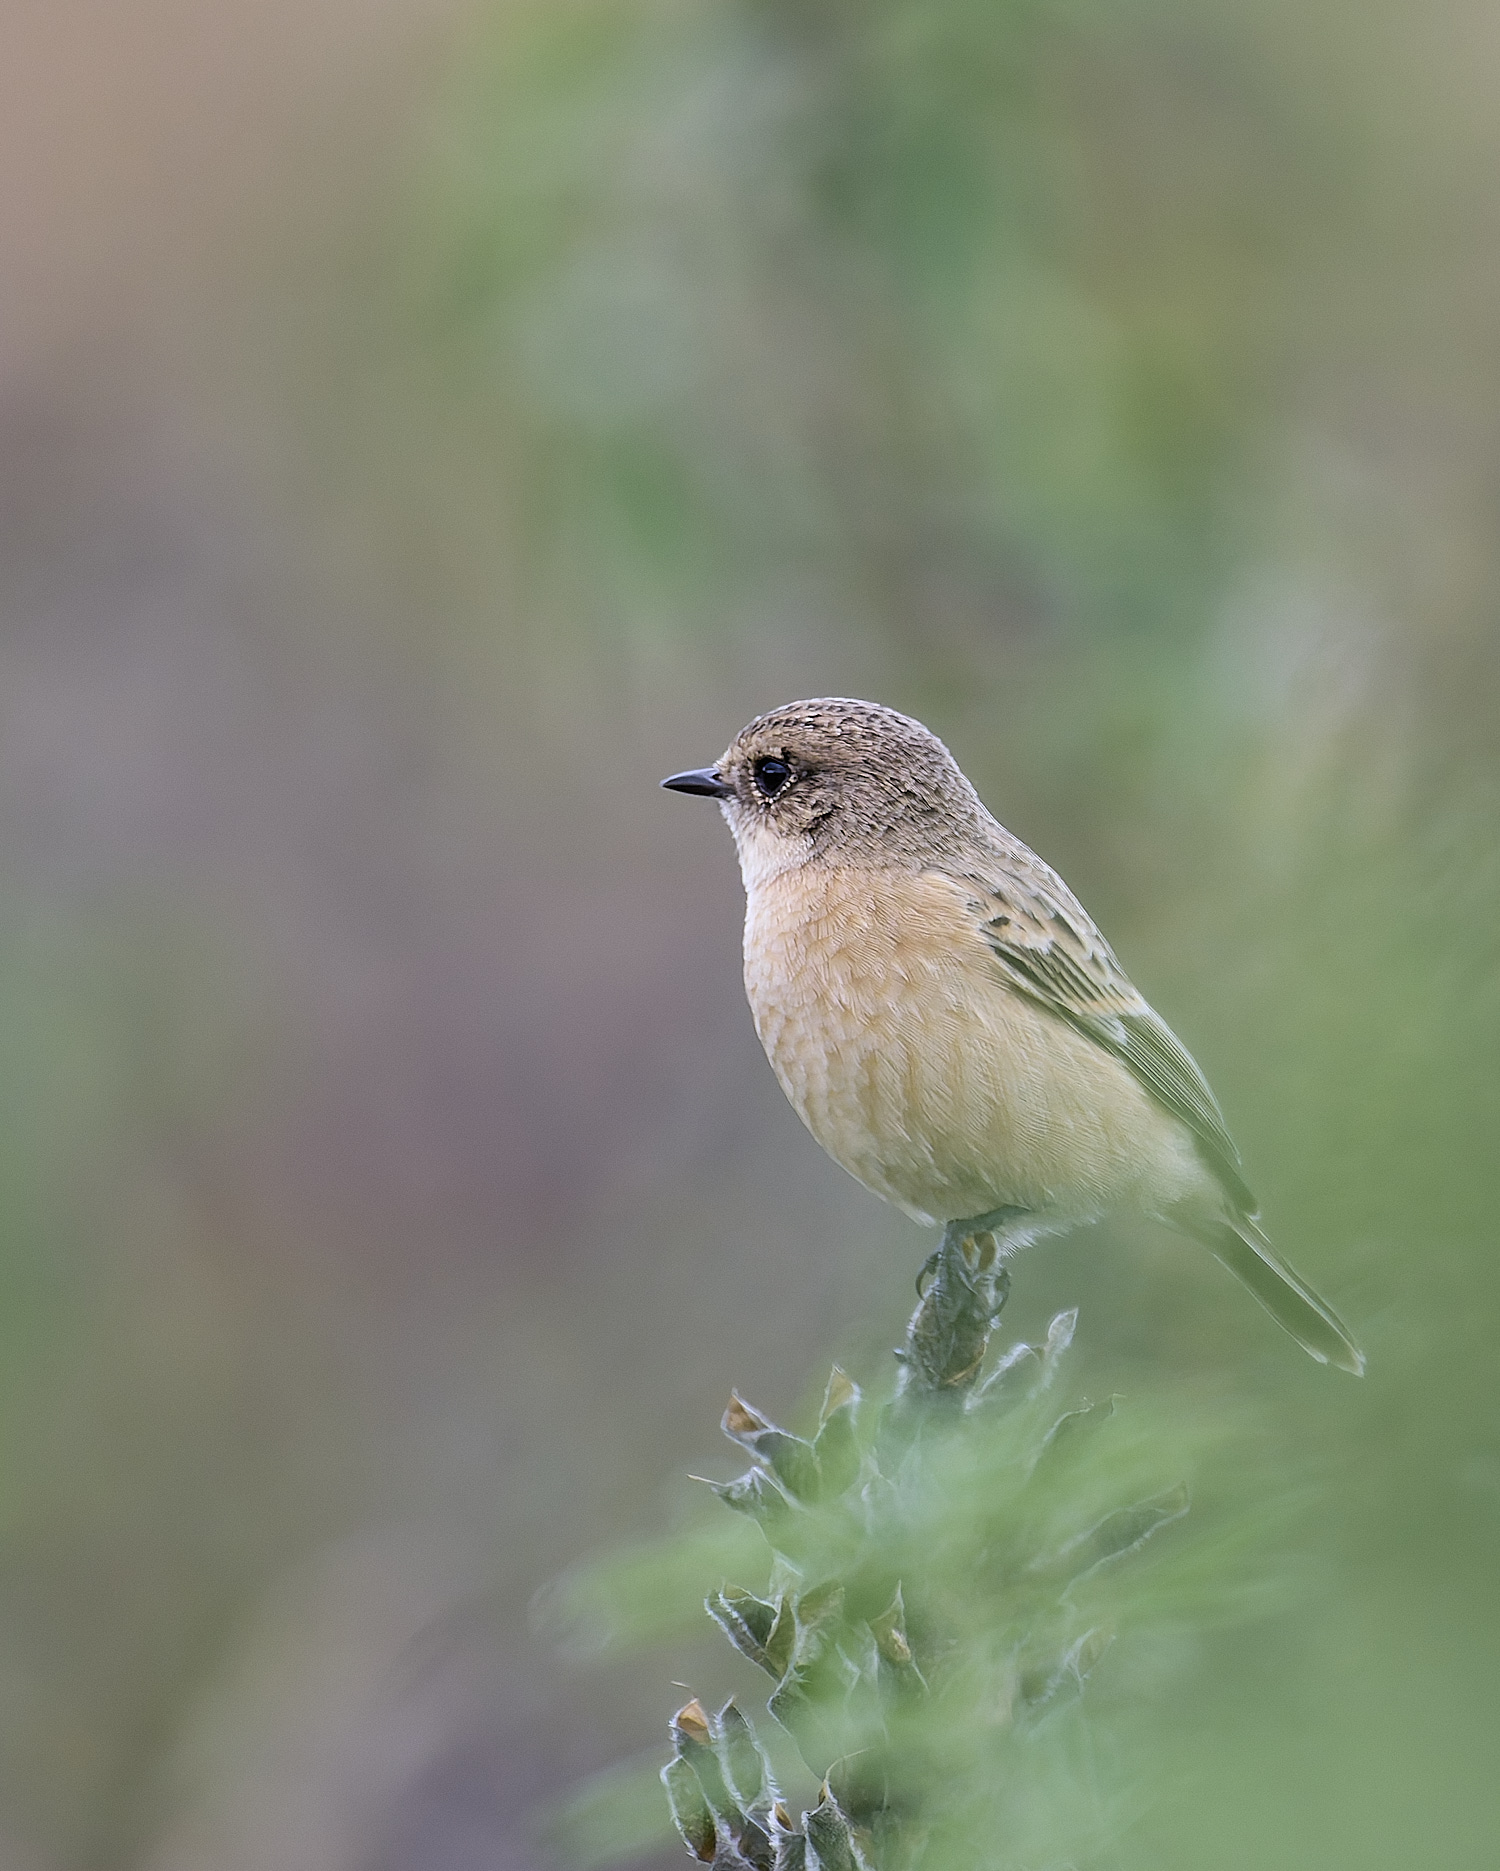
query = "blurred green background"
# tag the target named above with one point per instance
(425, 423)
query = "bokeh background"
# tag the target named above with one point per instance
(423, 423)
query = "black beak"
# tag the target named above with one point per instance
(701, 780)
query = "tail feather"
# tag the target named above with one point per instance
(1288, 1298)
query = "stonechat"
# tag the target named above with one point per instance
(948, 1022)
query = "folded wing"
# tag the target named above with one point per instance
(1048, 949)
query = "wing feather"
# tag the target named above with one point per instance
(1050, 950)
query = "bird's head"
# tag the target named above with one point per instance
(840, 781)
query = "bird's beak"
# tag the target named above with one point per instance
(701, 780)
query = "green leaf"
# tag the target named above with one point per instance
(790, 1458)
(690, 1810)
(757, 1495)
(808, 1701)
(1043, 1691)
(840, 1393)
(829, 1835)
(791, 1847)
(759, 1629)
(1016, 1376)
(744, 1764)
(1064, 1433)
(898, 1669)
(694, 1740)
(1123, 1531)
(837, 1452)
(1059, 1337)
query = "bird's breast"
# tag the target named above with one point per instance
(917, 1068)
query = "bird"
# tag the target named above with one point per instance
(946, 1018)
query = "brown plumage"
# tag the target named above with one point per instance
(945, 1017)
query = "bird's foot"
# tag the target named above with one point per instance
(975, 1240)
(961, 1289)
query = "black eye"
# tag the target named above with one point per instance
(771, 775)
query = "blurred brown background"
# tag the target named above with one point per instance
(424, 424)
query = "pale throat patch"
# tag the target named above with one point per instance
(765, 854)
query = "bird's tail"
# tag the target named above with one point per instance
(1288, 1298)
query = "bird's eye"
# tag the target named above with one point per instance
(771, 776)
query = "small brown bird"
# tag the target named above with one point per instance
(946, 1019)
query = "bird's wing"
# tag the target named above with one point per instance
(1050, 951)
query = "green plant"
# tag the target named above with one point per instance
(941, 1586)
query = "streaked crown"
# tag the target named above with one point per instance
(849, 779)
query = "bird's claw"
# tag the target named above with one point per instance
(1000, 1275)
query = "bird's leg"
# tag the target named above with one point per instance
(962, 1289)
(996, 1221)
(933, 1261)
(955, 1233)
(972, 1228)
